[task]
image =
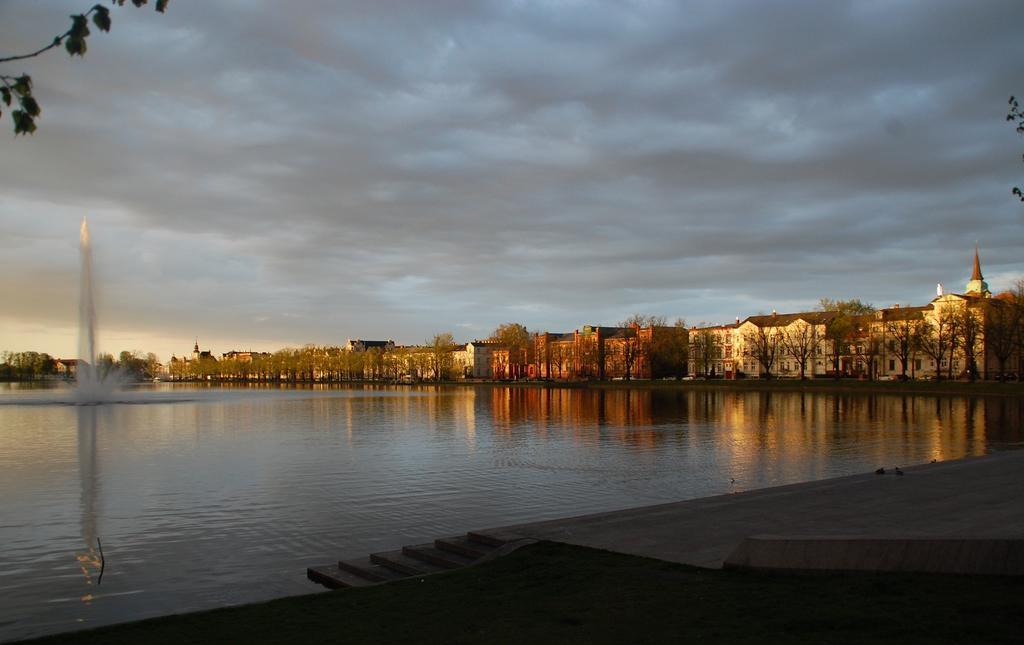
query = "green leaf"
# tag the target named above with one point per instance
(101, 18)
(75, 44)
(79, 26)
(6, 94)
(23, 123)
(138, 3)
(161, 5)
(30, 105)
(23, 85)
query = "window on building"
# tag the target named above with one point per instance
(892, 365)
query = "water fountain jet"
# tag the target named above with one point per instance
(93, 387)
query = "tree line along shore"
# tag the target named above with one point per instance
(969, 336)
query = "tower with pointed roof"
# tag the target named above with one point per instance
(977, 286)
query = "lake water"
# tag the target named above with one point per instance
(204, 497)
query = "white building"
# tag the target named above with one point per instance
(474, 359)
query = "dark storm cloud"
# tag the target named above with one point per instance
(308, 172)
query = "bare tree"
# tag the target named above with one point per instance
(1018, 303)
(970, 330)
(800, 340)
(589, 357)
(936, 339)
(1002, 321)
(630, 348)
(626, 350)
(904, 339)
(764, 343)
(668, 349)
(954, 324)
(516, 339)
(643, 350)
(441, 358)
(558, 354)
(705, 348)
(840, 329)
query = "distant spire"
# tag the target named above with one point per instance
(976, 274)
(977, 285)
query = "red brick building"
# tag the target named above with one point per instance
(596, 352)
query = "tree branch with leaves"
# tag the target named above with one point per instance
(19, 88)
(1016, 116)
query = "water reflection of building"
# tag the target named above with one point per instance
(769, 430)
(568, 408)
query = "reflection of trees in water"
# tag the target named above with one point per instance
(89, 560)
(924, 427)
(1004, 417)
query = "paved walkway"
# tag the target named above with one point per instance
(977, 497)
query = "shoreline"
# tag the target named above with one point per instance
(816, 386)
(971, 496)
(965, 498)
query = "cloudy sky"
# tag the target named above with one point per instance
(260, 174)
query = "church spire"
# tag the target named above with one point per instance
(977, 285)
(976, 274)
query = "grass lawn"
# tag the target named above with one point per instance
(555, 593)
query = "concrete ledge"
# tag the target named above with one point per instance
(973, 556)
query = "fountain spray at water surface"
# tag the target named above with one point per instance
(92, 386)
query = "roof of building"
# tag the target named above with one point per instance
(371, 343)
(781, 320)
(893, 314)
(608, 332)
(976, 273)
(618, 332)
(716, 327)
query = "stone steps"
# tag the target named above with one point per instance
(369, 569)
(401, 561)
(492, 538)
(443, 554)
(463, 545)
(431, 554)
